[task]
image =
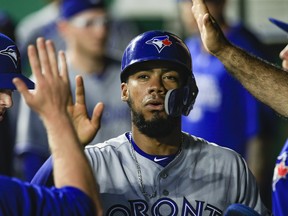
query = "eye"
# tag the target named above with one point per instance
(171, 77)
(142, 76)
(88, 23)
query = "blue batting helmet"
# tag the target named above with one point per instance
(163, 49)
(10, 64)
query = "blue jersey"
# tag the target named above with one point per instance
(280, 183)
(23, 199)
(224, 112)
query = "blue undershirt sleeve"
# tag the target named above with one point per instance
(22, 199)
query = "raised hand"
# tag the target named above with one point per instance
(86, 128)
(52, 89)
(212, 36)
(50, 100)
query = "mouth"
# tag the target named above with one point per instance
(155, 105)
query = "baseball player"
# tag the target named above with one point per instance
(280, 183)
(75, 192)
(265, 81)
(156, 169)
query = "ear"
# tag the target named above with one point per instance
(124, 92)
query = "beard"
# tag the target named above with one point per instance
(157, 127)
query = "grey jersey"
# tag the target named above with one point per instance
(31, 134)
(203, 179)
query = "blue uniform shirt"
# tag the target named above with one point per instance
(23, 199)
(280, 183)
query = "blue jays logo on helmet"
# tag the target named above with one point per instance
(160, 42)
(11, 52)
(281, 168)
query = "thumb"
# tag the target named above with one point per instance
(97, 115)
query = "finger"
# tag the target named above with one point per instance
(43, 56)
(63, 67)
(80, 91)
(65, 76)
(52, 57)
(285, 65)
(284, 53)
(34, 62)
(70, 103)
(22, 88)
(199, 9)
(208, 21)
(97, 115)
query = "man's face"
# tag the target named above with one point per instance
(87, 32)
(145, 94)
(5, 101)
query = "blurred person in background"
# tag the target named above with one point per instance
(84, 26)
(225, 112)
(44, 23)
(40, 23)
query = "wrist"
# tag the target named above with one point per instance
(224, 52)
(57, 122)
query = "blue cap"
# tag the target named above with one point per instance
(10, 64)
(69, 8)
(280, 24)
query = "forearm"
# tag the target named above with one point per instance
(70, 165)
(265, 81)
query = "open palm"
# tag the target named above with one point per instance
(86, 127)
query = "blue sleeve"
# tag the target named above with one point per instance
(23, 199)
(44, 175)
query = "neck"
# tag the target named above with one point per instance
(167, 145)
(86, 63)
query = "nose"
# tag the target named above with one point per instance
(6, 99)
(156, 85)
